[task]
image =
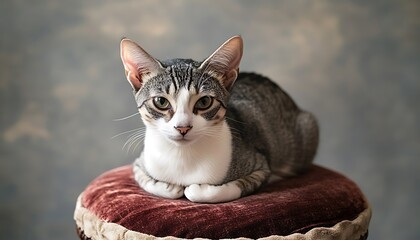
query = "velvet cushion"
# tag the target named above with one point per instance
(321, 198)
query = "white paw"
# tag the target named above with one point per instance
(205, 193)
(163, 189)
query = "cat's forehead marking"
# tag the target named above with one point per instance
(181, 75)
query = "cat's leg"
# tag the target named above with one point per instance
(158, 188)
(207, 193)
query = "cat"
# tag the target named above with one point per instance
(214, 134)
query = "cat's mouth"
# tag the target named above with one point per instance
(178, 140)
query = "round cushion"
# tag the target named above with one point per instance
(321, 204)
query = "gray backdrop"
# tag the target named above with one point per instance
(355, 64)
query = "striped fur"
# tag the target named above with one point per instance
(212, 134)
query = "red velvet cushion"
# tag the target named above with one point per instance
(320, 198)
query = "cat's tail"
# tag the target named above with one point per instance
(307, 137)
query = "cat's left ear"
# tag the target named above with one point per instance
(138, 64)
(224, 62)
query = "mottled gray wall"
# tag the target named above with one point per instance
(355, 64)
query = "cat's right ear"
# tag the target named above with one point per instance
(224, 62)
(138, 64)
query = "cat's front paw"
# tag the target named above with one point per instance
(163, 189)
(206, 193)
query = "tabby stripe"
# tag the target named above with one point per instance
(155, 114)
(250, 183)
(187, 77)
(168, 86)
(178, 78)
(211, 113)
(173, 74)
(190, 76)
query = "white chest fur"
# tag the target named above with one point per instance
(205, 161)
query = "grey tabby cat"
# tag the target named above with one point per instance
(212, 134)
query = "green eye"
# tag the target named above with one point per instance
(204, 103)
(161, 103)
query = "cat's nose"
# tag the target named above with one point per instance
(183, 130)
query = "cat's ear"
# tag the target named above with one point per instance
(224, 62)
(138, 64)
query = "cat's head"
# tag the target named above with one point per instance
(181, 99)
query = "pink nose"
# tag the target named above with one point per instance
(183, 130)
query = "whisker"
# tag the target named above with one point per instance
(235, 131)
(234, 120)
(119, 134)
(215, 133)
(125, 144)
(132, 137)
(124, 118)
(138, 137)
(131, 142)
(209, 132)
(141, 140)
(137, 132)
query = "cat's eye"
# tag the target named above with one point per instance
(204, 103)
(161, 103)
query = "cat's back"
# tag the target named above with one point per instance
(261, 98)
(264, 118)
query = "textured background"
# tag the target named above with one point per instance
(354, 64)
